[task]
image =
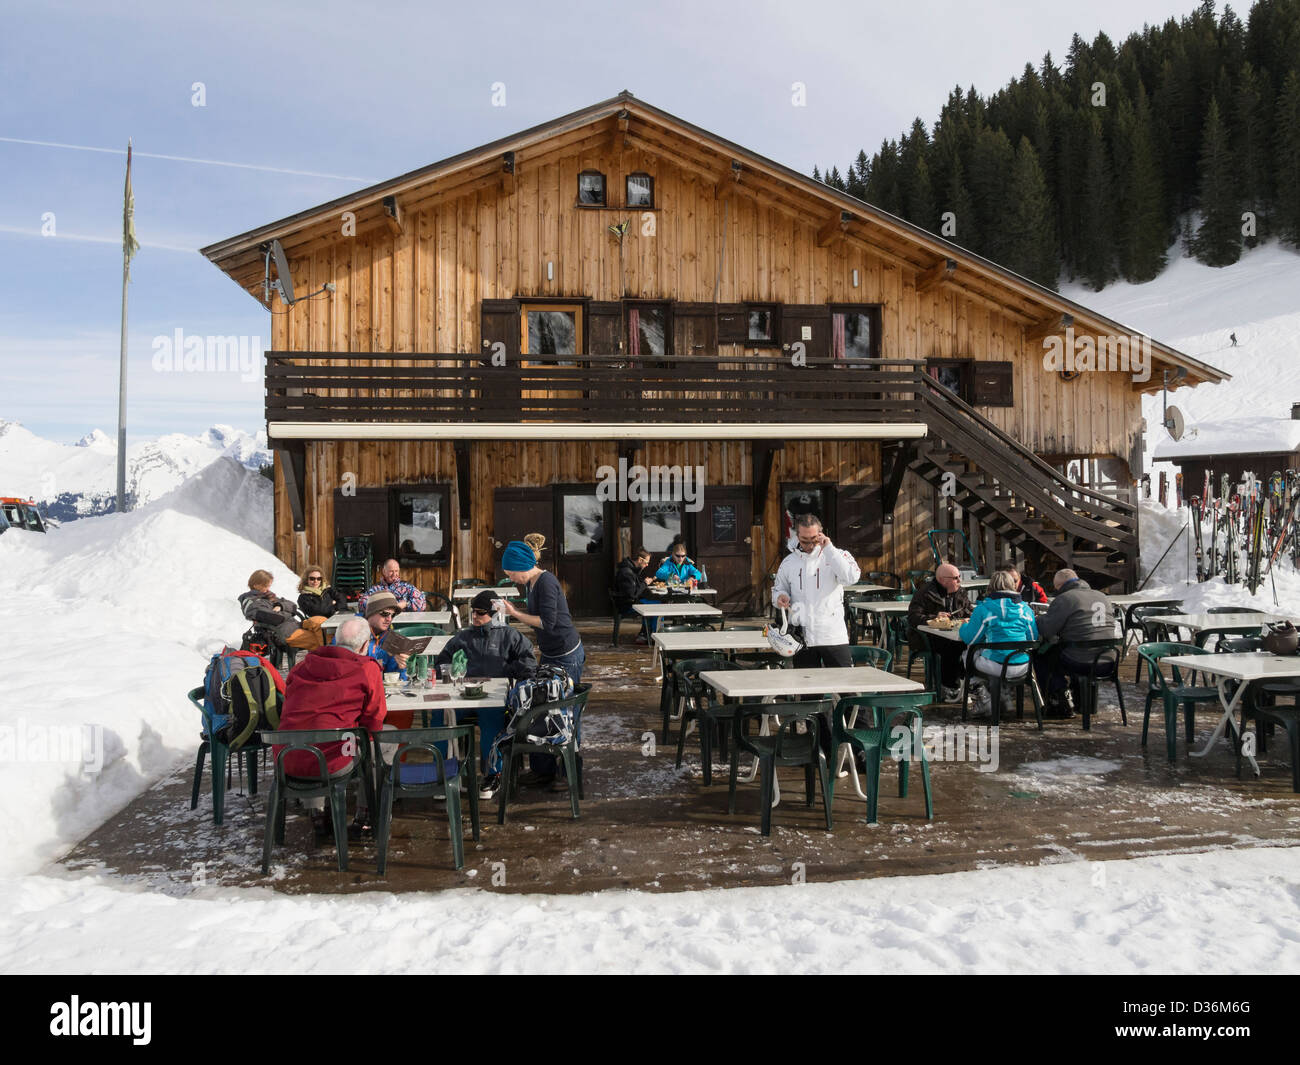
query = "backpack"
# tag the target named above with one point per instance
(242, 693)
(548, 685)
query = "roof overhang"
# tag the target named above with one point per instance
(584, 431)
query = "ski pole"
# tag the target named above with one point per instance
(1162, 557)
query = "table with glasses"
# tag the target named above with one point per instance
(1248, 668)
(680, 589)
(791, 684)
(447, 697)
(504, 591)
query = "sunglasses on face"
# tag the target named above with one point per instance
(680, 558)
(482, 613)
(314, 580)
(387, 614)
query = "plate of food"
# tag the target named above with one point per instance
(943, 623)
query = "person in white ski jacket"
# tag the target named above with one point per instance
(810, 583)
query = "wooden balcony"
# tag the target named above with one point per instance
(310, 386)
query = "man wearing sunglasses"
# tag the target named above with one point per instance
(490, 651)
(810, 583)
(381, 608)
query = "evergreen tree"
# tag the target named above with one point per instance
(1030, 236)
(1096, 258)
(1251, 150)
(882, 185)
(991, 163)
(816, 174)
(958, 204)
(1218, 241)
(1142, 233)
(1287, 159)
(858, 175)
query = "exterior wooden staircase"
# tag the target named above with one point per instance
(1050, 519)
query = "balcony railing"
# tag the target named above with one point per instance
(404, 387)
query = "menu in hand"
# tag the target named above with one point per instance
(397, 644)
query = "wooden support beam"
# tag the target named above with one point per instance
(896, 456)
(463, 484)
(937, 274)
(620, 137)
(392, 215)
(293, 468)
(508, 173)
(1053, 326)
(763, 460)
(834, 229)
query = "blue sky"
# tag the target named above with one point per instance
(358, 93)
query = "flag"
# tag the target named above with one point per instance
(129, 244)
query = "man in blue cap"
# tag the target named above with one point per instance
(547, 611)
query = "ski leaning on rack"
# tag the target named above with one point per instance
(1194, 505)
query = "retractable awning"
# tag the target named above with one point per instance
(593, 431)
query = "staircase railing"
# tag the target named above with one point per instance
(1078, 510)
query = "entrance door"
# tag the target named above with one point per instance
(722, 542)
(586, 538)
(517, 512)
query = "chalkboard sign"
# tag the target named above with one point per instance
(724, 523)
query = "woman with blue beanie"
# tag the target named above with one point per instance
(547, 611)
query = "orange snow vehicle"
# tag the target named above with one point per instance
(17, 513)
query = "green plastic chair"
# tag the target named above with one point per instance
(220, 761)
(703, 706)
(433, 776)
(518, 745)
(878, 738)
(1146, 619)
(1107, 652)
(669, 697)
(997, 683)
(872, 656)
(1173, 694)
(917, 577)
(334, 787)
(785, 747)
(420, 628)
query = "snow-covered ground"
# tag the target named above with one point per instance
(143, 600)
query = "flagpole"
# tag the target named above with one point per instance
(128, 248)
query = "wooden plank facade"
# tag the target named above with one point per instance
(452, 259)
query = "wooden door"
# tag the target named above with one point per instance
(585, 542)
(517, 512)
(722, 543)
(365, 512)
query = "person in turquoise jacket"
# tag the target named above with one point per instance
(1000, 617)
(678, 567)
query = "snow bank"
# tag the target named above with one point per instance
(1167, 914)
(1247, 436)
(142, 600)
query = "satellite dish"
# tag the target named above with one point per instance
(1174, 422)
(283, 279)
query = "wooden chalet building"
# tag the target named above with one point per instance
(620, 284)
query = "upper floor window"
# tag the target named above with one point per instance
(591, 189)
(855, 332)
(640, 190)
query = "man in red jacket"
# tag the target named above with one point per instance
(338, 686)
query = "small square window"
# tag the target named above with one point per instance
(640, 190)
(762, 323)
(591, 188)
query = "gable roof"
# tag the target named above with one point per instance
(932, 258)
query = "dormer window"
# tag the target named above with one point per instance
(640, 190)
(591, 189)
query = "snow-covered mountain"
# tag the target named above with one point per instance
(78, 480)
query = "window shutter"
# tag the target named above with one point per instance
(733, 323)
(816, 320)
(500, 324)
(695, 329)
(859, 524)
(992, 385)
(605, 328)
